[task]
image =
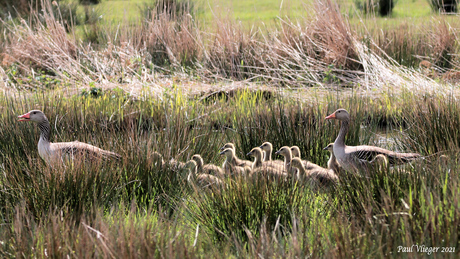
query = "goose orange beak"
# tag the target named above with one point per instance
(24, 117)
(332, 116)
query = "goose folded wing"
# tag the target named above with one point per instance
(368, 153)
(85, 151)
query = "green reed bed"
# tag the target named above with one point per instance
(137, 208)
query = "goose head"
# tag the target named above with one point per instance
(34, 115)
(296, 162)
(198, 159)
(295, 151)
(228, 152)
(329, 147)
(191, 165)
(266, 146)
(380, 160)
(284, 151)
(340, 114)
(255, 152)
(228, 145)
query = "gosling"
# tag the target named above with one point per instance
(267, 148)
(317, 177)
(207, 168)
(201, 180)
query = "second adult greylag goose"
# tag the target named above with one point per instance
(353, 158)
(54, 153)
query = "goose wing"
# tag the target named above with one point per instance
(79, 149)
(368, 153)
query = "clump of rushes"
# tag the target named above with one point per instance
(245, 206)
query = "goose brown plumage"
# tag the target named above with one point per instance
(317, 176)
(55, 153)
(354, 158)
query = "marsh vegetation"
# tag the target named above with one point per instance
(131, 89)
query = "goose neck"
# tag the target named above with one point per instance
(340, 140)
(287, 161)
(45, 130)
(268, 155)
(257, 160)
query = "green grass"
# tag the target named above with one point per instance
(258, 11)
(135, 207)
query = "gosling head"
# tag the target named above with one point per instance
(284, 151)
(255, 152)
(266, 146)
(381, 160)
(228, 145)
(295, 151)
(198, 159)
(191, 165)
(340, 114)
(34, 115)
(296, 162)
(329, 147)
(228, 152)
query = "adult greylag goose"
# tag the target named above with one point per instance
(201, 180)
(207, 168)
(353, 158)
(230, 166)
(332, 162)
(234, 160)
(257, 154)
(60, 152)
(267, 148)
(318, 177)
(286, 152)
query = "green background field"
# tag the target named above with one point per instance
(257, 10)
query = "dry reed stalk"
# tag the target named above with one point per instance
(317, 52)
(43, 47)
